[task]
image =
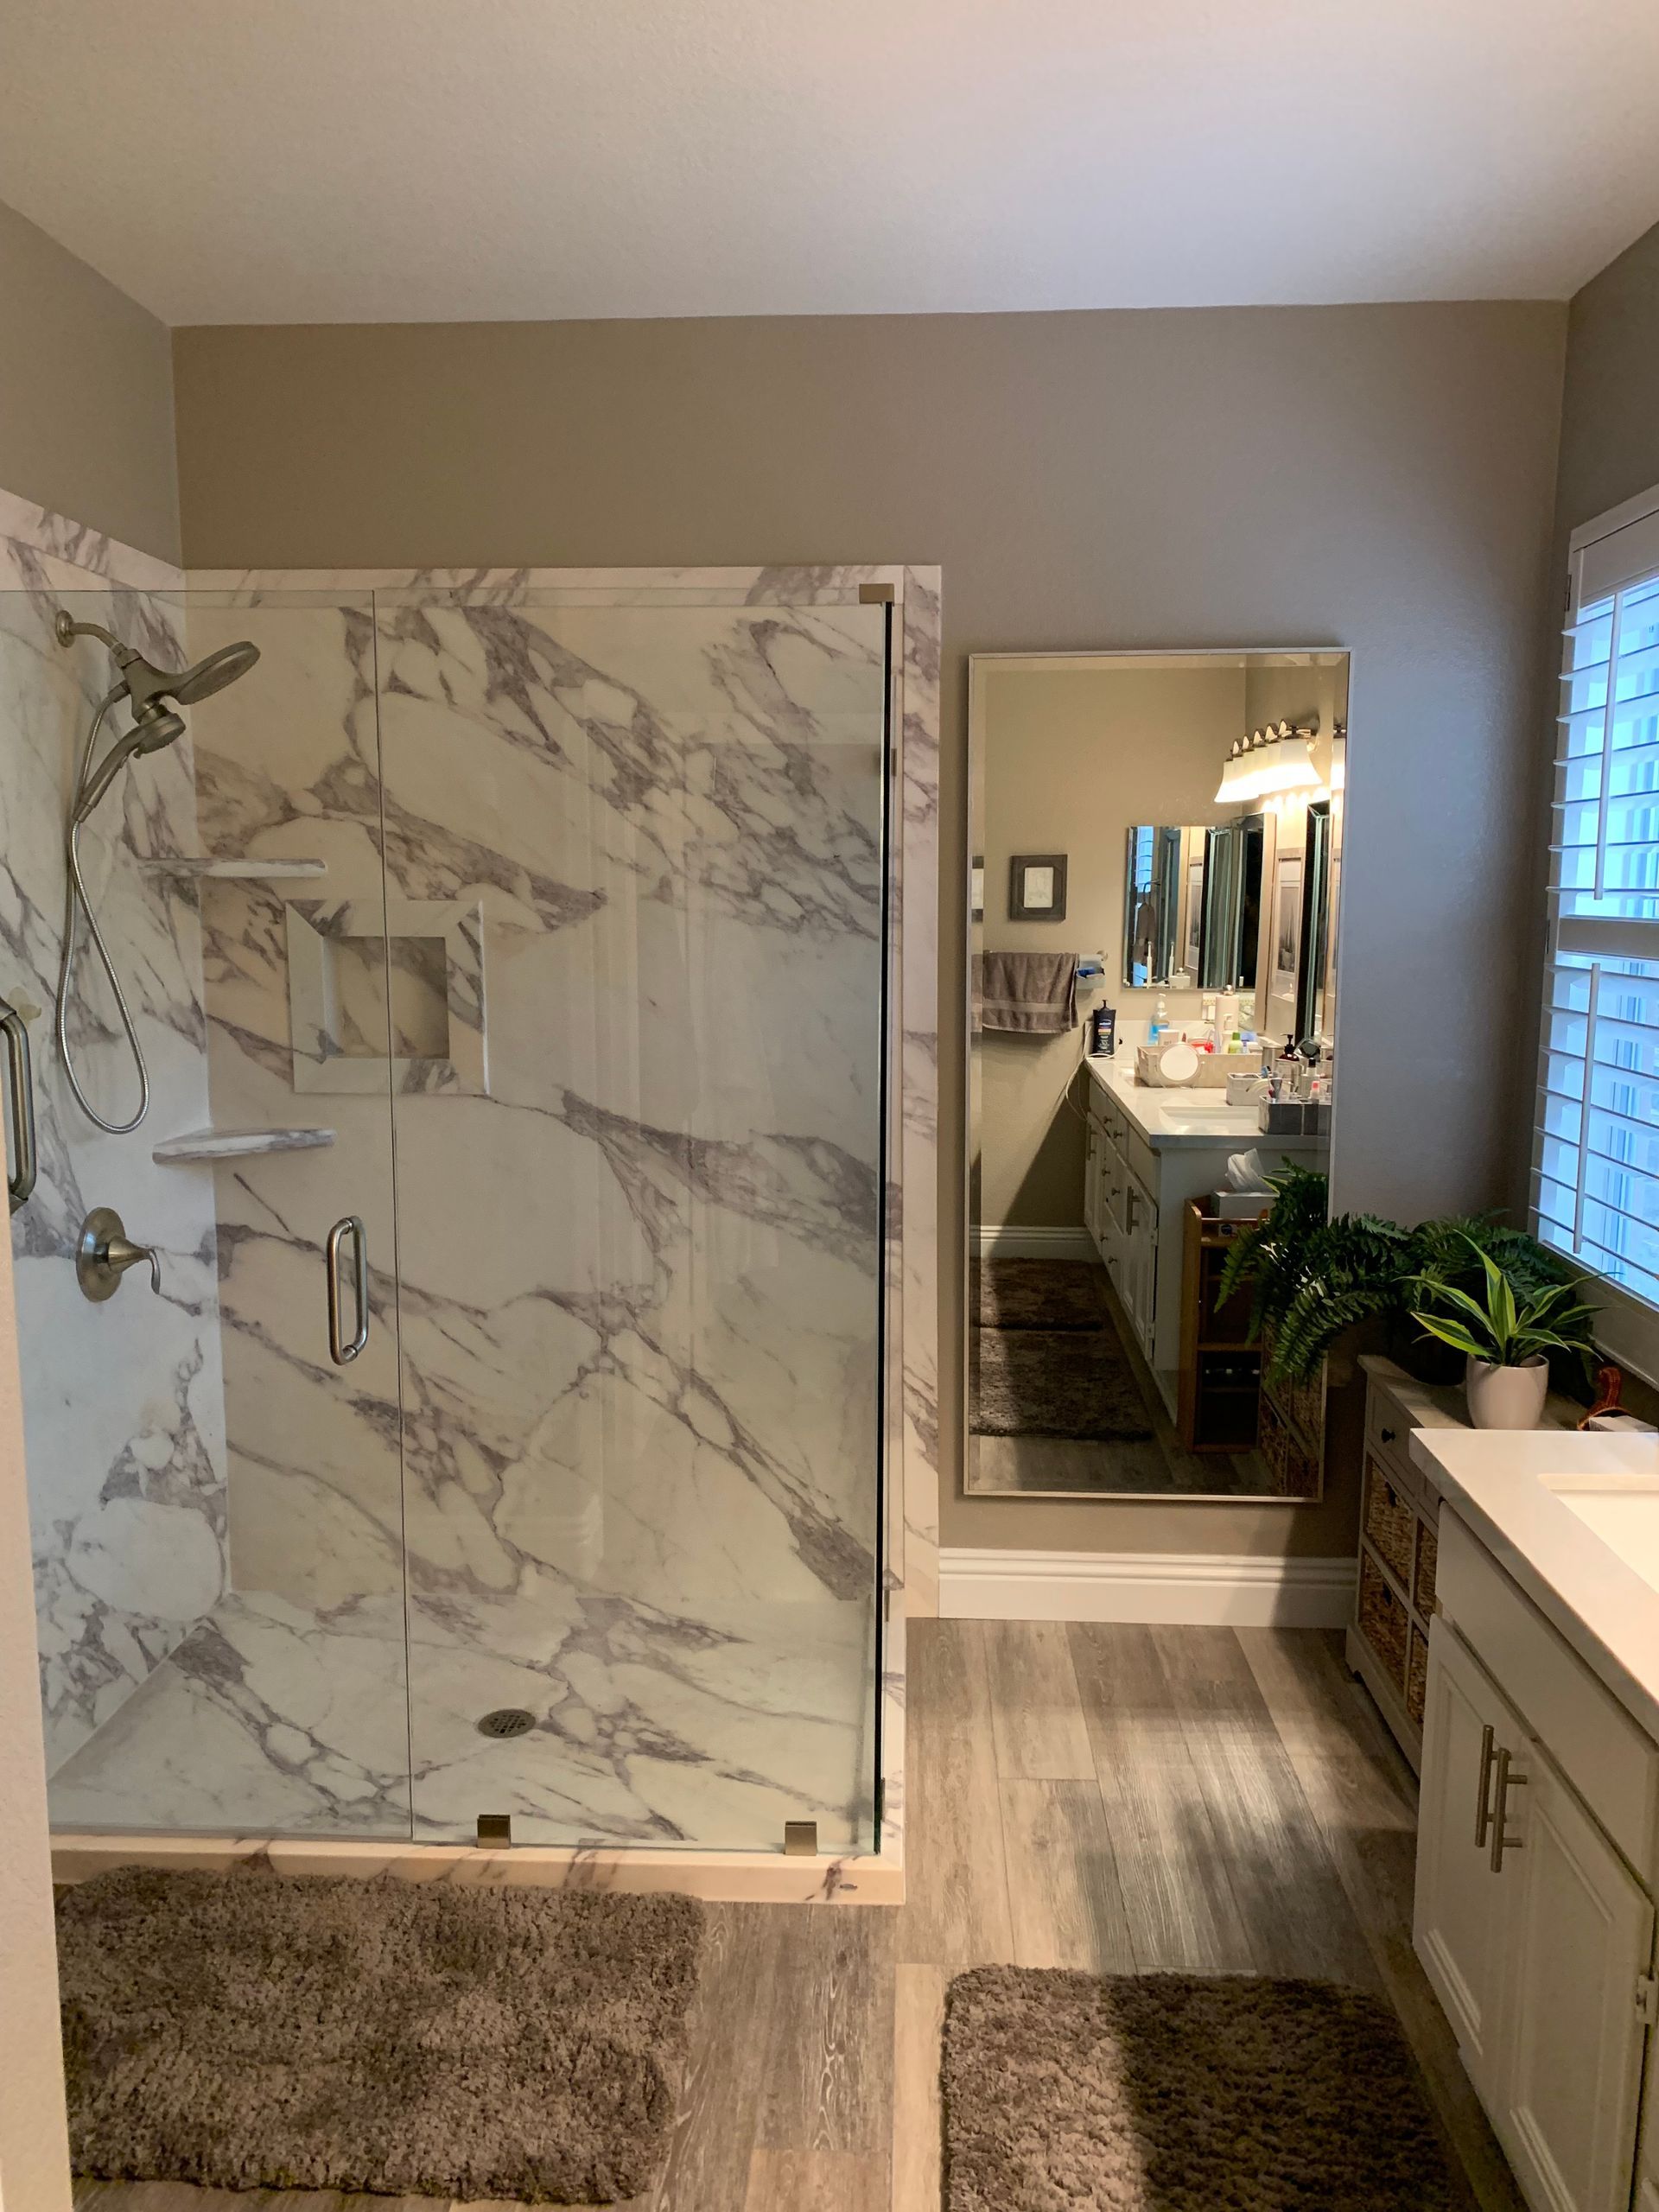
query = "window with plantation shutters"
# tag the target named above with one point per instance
(1596, 1160)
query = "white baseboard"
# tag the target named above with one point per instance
(1000, 1240)
(1225, 1590)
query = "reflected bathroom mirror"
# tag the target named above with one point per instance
(1138, 1071)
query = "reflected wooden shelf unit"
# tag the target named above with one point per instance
(1219, 1398)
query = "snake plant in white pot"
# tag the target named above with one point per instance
(1506, 1339)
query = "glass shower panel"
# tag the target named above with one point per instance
(246, 898)
(635, 859)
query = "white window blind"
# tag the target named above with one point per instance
(1596, 1160)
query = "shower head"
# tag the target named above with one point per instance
(155, 726)
(146, 686)
(210, 675)
(143, 682)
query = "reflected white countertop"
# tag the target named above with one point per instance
(1499, 1481)
(1184, 1118)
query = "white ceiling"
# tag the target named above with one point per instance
(285, 160)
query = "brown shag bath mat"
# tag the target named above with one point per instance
(1055, 1383)
(261, 2031)
(1180, 2092)
(1041, 1295)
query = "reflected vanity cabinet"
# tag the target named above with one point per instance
(1538, 1867)
(1120, 1211)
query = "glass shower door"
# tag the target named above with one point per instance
(635, 869)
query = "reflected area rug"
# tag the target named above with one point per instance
(1046, 1359)
(258, 2031)
(1179, 2093)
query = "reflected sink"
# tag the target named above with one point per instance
(1623, 1509)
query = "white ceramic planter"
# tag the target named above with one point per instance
(1506, 1397)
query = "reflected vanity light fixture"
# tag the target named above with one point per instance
(1277, 759)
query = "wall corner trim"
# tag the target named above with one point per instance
(1153, 1588)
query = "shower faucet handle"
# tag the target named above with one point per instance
(103, 1252)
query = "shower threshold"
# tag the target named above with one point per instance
(273, 1732)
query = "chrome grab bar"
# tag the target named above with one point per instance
(339, 1350)
(20, 1180)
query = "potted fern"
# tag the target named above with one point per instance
(1506, 1335)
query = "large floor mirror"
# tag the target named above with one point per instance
(1154, 873)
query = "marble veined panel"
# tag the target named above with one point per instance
(641, 1282)
(123, 1402)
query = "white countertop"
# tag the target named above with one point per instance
(1184, 1118)
(1607, 1612)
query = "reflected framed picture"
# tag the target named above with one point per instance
(976, 889)
(1037, 887)
(1286, 923)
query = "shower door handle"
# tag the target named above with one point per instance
(20, 1183)
(339, 1350)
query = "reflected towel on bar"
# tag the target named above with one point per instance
(1026, 993)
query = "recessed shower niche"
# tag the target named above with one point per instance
(415, 979)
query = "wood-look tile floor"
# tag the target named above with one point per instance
(1121, 1799)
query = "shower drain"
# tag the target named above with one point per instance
(507, 1720)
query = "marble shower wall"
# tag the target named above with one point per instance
(637, 1120)
(123, 1402)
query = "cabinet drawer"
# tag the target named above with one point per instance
(1387, 1438)
(1389, 1522)
(1428, 1560)
(1383, 1620)
(1607, 1758)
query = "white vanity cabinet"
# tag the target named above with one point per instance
(1121, 1213)
(1149, 1153)
(1537, 1862)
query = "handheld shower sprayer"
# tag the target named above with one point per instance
(154, 724)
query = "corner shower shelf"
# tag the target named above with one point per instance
(200, 864)
(237, 1144)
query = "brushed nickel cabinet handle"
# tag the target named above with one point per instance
(1502, 1840)
(339, 1350)
(1483, 1797)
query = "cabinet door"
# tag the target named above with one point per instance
(1579, 1935)
(1091, 1181)
(1457, 1922)
(1141, 1218)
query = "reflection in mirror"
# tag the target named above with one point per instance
(1135, 1067)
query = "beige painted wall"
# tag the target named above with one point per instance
(86, 394)
(1072, 756)
(1375, 477)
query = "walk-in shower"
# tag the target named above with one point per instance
(145, 688)
(514, 962)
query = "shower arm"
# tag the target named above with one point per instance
(66, 628)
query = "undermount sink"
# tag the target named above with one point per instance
(1177, 1100)
(1622, 1508)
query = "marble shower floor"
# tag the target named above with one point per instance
(271, 1719)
